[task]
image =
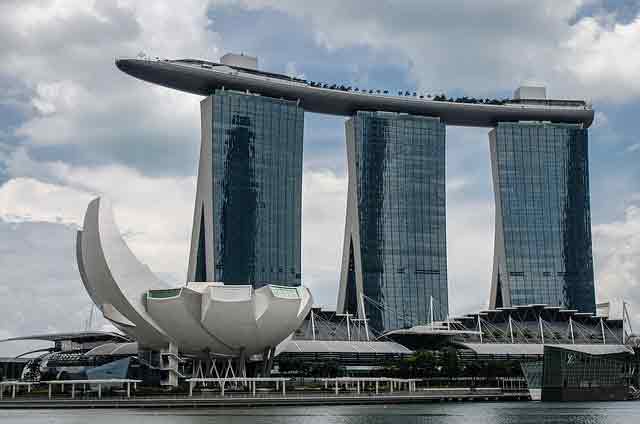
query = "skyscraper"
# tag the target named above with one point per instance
(249, 230)
(543, 221)
(394, 254)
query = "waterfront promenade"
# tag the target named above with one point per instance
(206, 400)
(209, 394)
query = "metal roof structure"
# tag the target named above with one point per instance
(203, 78)
(113, 349)
(77, 337)
(343, 346)
(537, 349)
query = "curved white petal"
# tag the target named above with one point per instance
(115, 280)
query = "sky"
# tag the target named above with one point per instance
(73, 127)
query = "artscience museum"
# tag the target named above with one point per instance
(225, 321)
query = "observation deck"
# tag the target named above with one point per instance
(203, 78)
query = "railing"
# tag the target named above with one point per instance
(99, 383)
(251, 381)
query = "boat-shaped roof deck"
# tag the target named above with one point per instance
(203, 78)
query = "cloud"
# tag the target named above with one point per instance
(617, 255)
(599, 60)
(324, 205)
(61, 54)
(291, 69)
(29, 200)
(155, 213)
(600, 120)
(40, 290)
(488, 46)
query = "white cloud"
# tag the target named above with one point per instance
(617, 256)
(469, 255)
(600, 120)
(457, 184)
(633, 148)
(324, 203)
(61, 54)
(600, 59)
(56, 96)
(26, 199)
(291, 69)
(484, 46)
(154, 213)
(41, 289)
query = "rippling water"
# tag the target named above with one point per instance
(502, 413)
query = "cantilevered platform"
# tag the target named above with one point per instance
(203, 78)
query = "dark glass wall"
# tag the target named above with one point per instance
(543, 227)
(399, 166)
(570, 375)
(257, 189)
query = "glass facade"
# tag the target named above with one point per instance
(543, 227)
(256, 170)
(570, 375)
(397, 235)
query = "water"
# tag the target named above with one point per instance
(436, 413)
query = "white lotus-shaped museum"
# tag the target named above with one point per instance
(212, 318)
